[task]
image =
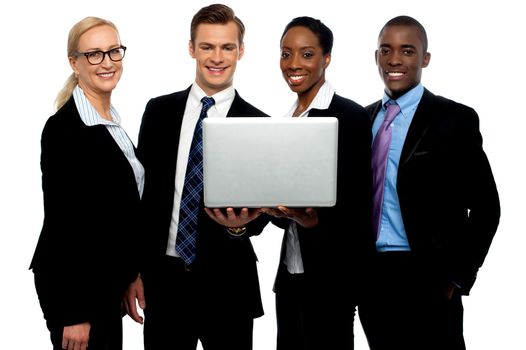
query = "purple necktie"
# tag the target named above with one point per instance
(379, 153)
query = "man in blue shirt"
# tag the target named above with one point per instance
(437, 209)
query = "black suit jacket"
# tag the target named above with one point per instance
(225, 267)
(336, 252)
(448, 197)
(83, 262)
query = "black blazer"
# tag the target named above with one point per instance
(448, 197)
(225, 267)
(83, 261)
(336, 252)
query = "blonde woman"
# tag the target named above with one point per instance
(92, 183)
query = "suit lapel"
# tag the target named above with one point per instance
(172, 128)
(373, 110)
(175, 118)
(97, 136)
(98, 140)
(238, 107)
(419, 127)
(315, 112)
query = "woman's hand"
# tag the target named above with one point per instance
(305, 217)
(76, 337)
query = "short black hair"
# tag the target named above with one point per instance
(324, 34)
(407, 21)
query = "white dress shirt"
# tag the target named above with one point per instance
(293, 258)
(91, 117)
(223, 101)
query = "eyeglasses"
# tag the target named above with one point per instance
(96, 57)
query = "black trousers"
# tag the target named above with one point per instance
(311, 315)
(406, 307)
(176, 318)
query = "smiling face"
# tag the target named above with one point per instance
(400, 58)
(97, 80)
(216, 49)
(302, 61)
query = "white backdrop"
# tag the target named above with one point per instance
(473, 46)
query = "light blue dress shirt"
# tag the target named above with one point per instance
(392, 235)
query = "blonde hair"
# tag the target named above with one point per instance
(75, 33)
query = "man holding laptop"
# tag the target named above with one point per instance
(199, 273)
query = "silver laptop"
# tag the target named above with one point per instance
(265, 162)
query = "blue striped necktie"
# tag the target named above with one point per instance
(192, 192)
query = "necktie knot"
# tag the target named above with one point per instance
(392, 110)
(207, 103)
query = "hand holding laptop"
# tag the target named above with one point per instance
(306, 217)
(229, 218)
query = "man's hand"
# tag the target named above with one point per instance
(228, 217)
(134, 292)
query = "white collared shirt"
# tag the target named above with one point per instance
(91, 117)
(293, 258)
(223, 101)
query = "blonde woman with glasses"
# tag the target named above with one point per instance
(92, 183)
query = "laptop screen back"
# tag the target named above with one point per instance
(265, 162)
